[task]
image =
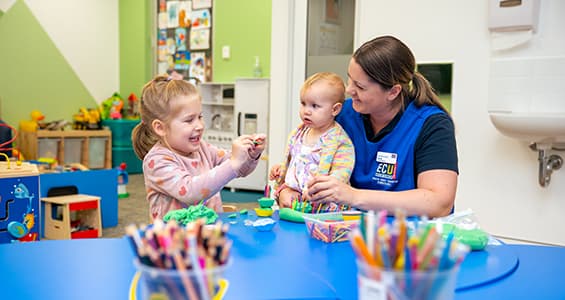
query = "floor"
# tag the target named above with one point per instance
(135, 210)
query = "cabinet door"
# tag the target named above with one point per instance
(252, 106)
(252, 116)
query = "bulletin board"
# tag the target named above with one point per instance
(184, 38)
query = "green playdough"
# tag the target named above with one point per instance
(232, 216)
(243, 212)
(291, 215)
(192, 213)
(477, 239)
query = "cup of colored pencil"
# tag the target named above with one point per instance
(397, 260)
(180, 262)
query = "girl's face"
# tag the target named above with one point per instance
(185, 128)
(318, 107)
(368, 97)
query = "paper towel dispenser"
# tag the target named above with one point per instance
(513, 15)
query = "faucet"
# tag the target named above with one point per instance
(547, 163)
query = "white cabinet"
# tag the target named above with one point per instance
(233, 109)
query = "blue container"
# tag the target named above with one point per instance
(121, 131)
(126, 155)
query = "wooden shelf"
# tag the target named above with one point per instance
(91, 148)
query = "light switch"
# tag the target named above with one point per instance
(226, 52)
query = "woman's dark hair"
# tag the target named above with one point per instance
(388, 61)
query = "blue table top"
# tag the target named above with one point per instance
(284, 263)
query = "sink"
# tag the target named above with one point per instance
(530, 127)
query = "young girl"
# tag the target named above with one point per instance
(319, 146)
(179, 168)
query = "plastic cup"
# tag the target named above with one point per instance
(376, 283)
(157, 283)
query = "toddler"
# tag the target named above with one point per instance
(318, 146)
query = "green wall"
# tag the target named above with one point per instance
(135, 45)
(33, 73)
(245, 26)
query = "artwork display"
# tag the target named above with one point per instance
(184, 38)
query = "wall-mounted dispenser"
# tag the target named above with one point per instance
(513, 15)
(512, 22)
(526, 102)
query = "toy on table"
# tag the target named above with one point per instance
(133, 107)
(265, 204)
(264, 224)
(111, 108)
(329, 227)
(191, 214)
(300, 207)
(86, 119)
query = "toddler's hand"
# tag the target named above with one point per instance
(275, 172)
(286, 196)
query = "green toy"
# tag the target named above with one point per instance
(243, 212)
(288, 214)
(192, 213)
(476, 239)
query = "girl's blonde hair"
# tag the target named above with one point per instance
(338, 91)
(155, 105)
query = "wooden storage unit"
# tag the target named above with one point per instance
(58, 217)
(79, 143)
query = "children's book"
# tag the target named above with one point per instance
(200, 39)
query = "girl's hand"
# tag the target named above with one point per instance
(286, 196)
(258, 145)
(275, 172)
(240, 151)
(324, 189)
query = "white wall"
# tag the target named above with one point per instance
(498, 175)
(86, 32)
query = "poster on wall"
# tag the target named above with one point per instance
(182, 60)
(173, 14)
(198, 4)
(201, 19)
(198, 65)
(200, 39)
(185, 10)
(180, 38)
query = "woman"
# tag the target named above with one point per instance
(406, 155)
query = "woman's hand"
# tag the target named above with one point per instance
(325, 189)
(286, 196)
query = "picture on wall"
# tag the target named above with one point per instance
(173, 14)
(185, 9)
(200, 39)
(198, 4)
(198, 66)
(332, 11)
(201, 19)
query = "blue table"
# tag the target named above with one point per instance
(285, 263)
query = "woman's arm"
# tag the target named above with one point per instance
(434, 195)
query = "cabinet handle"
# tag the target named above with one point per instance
(238, 123)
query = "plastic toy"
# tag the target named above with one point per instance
(111, 108)
(264, 212)
(86, 119)
(122, 181)
(264, 224)
(133, 108)
(33, 124)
